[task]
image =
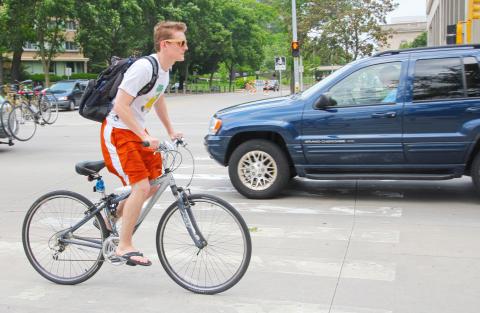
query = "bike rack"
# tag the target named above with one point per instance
(10, 142)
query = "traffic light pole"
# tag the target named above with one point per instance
(296, 74)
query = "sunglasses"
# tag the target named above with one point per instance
(180, 42)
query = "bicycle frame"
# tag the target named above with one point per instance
(162, 182)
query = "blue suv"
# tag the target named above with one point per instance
(403, 114)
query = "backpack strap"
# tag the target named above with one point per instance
(146, 89)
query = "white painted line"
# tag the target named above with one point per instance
(14, 247)
(393, 212)
(355, 269)
(255, 305)
(32, 294)
(202, 176)
(345, 210)
(325, 233)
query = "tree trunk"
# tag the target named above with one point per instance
(185, 86)
(231, 76)
(210, 81)
(46, 71)
(16, 70)
(1, 71)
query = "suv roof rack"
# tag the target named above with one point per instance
(392, 52)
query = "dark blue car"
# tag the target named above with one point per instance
(403, 114)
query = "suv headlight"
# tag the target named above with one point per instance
(215, 125)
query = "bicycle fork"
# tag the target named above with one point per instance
(186, 211)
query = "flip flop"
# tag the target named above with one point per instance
(128, 257)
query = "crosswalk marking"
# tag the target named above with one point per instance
(326, 233)
(355, 269)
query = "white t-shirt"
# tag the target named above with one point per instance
(135, 78)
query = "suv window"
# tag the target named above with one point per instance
(438, 79)
(472, 76)
(373, 84)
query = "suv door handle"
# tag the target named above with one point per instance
(384, 115)
(473, 109)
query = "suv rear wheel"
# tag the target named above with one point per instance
(258, 169)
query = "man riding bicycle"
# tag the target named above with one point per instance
(123, 131)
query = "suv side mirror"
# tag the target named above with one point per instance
(324, 102)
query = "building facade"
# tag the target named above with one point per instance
(70, 57)
(441, 13)
(403, 30)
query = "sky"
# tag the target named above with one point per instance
(408, 8)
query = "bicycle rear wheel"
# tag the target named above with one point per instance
(22, 123)
(5, 109)
(62, 263)
(218, 266)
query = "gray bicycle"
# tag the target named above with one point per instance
(203, 243)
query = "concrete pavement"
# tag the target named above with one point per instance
(324, 246)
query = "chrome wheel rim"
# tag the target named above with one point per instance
(257, 170)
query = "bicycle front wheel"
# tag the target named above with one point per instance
(58, 261)
(218, 266)
(22, 123)
(48, 110)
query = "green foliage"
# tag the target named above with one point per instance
(418, 42)
(84, 76)
(347, 28)
(40, 78)
(224, 36)
(49, 26)
(54, 78)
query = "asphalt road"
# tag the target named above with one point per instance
(324, 246)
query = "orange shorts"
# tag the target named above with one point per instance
(126, 157)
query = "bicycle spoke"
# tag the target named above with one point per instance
(215, 267)
(47, 239)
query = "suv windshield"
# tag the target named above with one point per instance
(62, 87)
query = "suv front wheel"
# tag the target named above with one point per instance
(475, 172)
(258, 169)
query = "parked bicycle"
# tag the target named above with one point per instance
(5, 109)
(202, 242)
(35, 108)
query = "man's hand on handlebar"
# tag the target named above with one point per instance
(176, 136)
(153, 142)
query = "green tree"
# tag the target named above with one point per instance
(20, 30)
(418, 42)
(351, 25)
(3, 39)
(49, 25)
(109, 28)
(248, 36)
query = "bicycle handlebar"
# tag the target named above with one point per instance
(165, 145)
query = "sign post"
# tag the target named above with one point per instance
(68, 72)
(280, 65)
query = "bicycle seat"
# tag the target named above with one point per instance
(89, 167)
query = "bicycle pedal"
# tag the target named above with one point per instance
(115, 260)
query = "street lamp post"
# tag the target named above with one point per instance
(296, 74)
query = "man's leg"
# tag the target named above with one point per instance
(130, 213)
(121, 205)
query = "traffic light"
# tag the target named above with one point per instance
(474, 9)
(452, 34)
(295, 49)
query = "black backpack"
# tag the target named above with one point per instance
(96, 101)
